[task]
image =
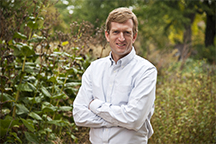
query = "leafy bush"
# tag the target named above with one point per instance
(40, 74)
(208, 53)
(185, 104)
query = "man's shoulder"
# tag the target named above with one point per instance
(100, 61)
(143, 62)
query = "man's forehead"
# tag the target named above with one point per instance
(118, 25)
(115, 29)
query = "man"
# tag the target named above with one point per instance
(116, 99)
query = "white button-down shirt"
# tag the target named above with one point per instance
(124, 95)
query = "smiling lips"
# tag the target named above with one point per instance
(119, 44)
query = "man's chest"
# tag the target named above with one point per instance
(113, 85)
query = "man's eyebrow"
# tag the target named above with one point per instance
(119, 30)
(114, 30)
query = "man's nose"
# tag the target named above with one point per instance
(121, 36)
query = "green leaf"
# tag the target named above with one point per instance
(22, 49)
(31, 86)
(15, 135)
(17, 50)
(36, 38)
(79, 58)
(24, 87)
(9, 121)
(74, 137)
(45, 92)
(71, 70)
(36, 99)
(27, 50)
(41, 132)
(31, 137)
(19, 35)
(3, 131)
(32, 24)
(35, 116)
(29, 69)
(5, 97)
(72, 84)
(57, 122)
(60, 96)
(52, 79)
(21, 109)
(66, 54)
(48, 129)
(47, 107)
(65, 108)
(59, 82)
(29, 124)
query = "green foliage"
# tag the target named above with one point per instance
(185, 104)
(96, 11)
(38, 82)
(166, 24)
(208, 53)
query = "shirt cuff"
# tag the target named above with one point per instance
(95, 104)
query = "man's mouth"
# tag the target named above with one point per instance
(119, 44)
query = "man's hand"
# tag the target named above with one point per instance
(89, 104)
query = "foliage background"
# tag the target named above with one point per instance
(46, 46)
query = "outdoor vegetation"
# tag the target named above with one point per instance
(46, 45)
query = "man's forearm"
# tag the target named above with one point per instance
(85, 117)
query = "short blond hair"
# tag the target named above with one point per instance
(121, 15)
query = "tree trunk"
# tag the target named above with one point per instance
(186, 49)
(185, 52)
(210, 30)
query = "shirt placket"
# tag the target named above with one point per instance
(111, 82)
(113, 71)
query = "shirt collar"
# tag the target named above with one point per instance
(125, 60)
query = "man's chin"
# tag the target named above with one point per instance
(123, 53)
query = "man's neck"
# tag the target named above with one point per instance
(116, 58)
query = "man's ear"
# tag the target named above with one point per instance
(107, 36)
(134, 37)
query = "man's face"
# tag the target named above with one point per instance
(121, 38)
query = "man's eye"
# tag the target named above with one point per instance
(128, 33)
(115, 32)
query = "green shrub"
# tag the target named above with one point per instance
(185, 104)
(203, 52)
(40, 75)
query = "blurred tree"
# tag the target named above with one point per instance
(209, 8)
(163, 18)
(96, 11)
